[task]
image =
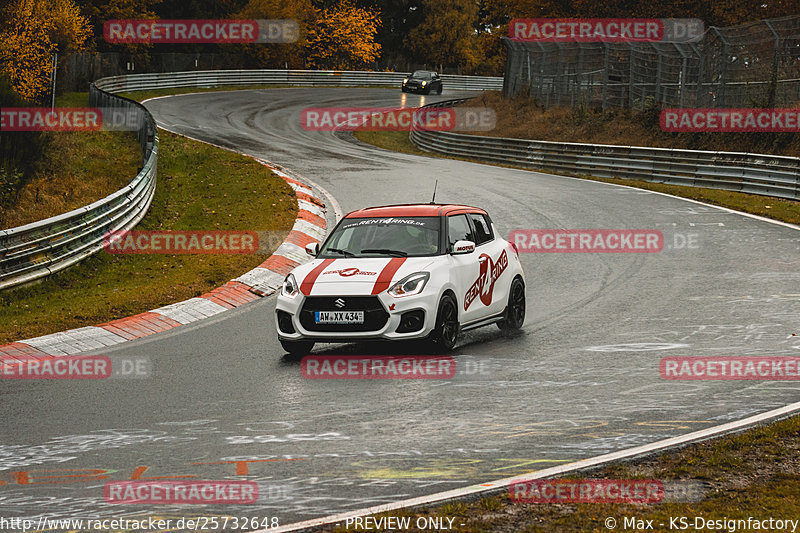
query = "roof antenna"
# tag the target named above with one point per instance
(433, 200)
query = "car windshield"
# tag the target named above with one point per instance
(383, 237)
(422, 75)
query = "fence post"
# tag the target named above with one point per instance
(605, 75)
(658, 74)
(699, 95)
(772, 88)
(723, 75)
(578, 74)
(631, 50)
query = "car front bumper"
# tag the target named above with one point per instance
(395, 311)
(415, 88)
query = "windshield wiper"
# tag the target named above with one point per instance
(398, 253)
(339, 251)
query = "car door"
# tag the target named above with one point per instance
(492, 257)
(463, 268)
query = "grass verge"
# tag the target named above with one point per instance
(78, 168)
(751, 474)
(199, 187)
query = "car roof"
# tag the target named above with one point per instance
(414, 210)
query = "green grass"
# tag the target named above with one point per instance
(77, 168)
(751, 474)
(198, 187)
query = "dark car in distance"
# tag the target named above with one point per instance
(423, 81)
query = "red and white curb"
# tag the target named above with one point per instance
(265, 279)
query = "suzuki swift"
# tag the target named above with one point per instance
(419, 271)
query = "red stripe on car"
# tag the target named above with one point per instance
(308, 283)
(385, 277)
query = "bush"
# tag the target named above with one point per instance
(20, 151)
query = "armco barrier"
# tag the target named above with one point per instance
(310, 78)
(768, 175)
(36, 250)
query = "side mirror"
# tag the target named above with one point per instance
(463, 247)
(312, 249)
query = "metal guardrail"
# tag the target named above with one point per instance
(310, 78)
(763, 174)
(36, 250)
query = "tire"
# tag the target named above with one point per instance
(515, 310)
(445, 334)
(439, 90)
(403, 89)
(297, 348)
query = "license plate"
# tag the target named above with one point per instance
(339, 317)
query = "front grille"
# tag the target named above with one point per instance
(375, 316)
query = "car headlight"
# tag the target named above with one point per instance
(424, 83)
(290, 289)
(410, 285)
(405, 80)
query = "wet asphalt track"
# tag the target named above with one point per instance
(581, 378)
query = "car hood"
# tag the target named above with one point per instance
(366, 275)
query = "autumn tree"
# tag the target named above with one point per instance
(33, 31)
(277, 55)
(101, 11)
(398, 18)
(343, 38)
(447, 34)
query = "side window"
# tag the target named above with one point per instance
(458, 230)
(483, 231)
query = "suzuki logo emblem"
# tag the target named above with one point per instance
(339, 303)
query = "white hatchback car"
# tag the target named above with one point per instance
(419, 271)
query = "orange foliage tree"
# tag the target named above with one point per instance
(447, 33)
(33, 31)
(343, 38)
